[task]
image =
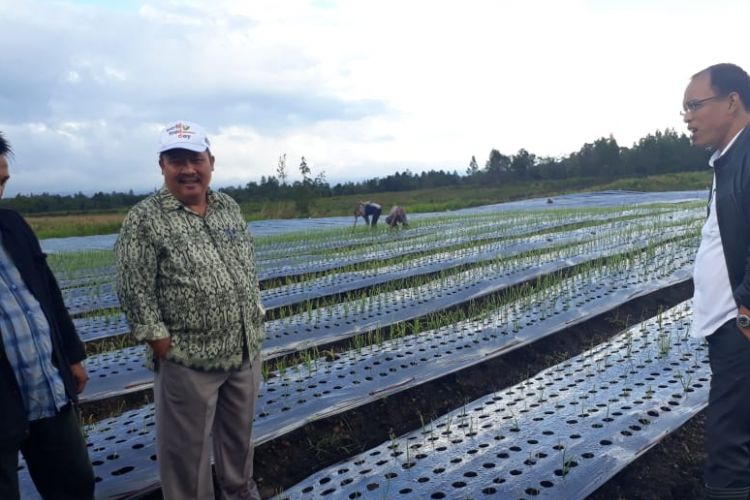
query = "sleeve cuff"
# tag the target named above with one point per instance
(150, 332)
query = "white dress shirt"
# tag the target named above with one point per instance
(713, 300)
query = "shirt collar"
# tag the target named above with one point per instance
(171, 203)
(719, 153)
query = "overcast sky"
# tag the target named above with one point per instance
(360, 88)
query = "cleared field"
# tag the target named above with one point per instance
(359, 323)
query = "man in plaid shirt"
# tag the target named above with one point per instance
(40, 369)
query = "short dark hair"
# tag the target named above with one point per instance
(727, 78)
(4, 146)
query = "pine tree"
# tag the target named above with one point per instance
(305, 171)
(281, 171)
(473, 167)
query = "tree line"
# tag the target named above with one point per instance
(657, 153)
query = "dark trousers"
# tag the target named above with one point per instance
(56, 456)
(375, 214)
(727, 469)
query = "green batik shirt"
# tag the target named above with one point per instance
(192, 278)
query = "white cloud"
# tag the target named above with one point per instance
(360, 88)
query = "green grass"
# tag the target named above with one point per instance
(682, 181)
(85, 224)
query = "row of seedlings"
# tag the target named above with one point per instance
(122, 449)
(71, 268)
(342, 282)
(123, 371)
(87, 299)
(322, 242)
(471, 232)
(561, 433)
(76, 269)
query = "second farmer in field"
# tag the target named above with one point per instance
(397, 216)
(186, 279)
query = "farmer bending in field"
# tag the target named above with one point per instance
(397, 216)
(186, 279)
(41, 373)
(367, 209)
(715, 109)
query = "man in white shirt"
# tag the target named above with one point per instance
(715, 109)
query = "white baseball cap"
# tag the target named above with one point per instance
(184, 135)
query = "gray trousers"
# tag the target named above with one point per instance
(191, 406)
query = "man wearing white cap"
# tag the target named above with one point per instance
(187, 282)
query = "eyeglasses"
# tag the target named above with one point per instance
(694, 105)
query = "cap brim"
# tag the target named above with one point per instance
(198, 148)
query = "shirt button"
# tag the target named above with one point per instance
(13, 287)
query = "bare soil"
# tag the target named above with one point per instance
(672, 470)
